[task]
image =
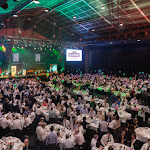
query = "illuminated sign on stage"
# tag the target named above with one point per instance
(15, 57)
(73, 55)
(37, 57)
(13, 70)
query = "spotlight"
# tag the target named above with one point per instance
(93, 30)
(74, 17)
(121, 24)
(102, 7)
(36, 2)
(5, 6)
(15, 15)
(46, 10)
(138, 40)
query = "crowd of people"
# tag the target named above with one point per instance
(95, 111)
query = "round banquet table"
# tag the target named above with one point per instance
(63, 131)
(143, 134)
(117, 146)
(5, 142)
(123, 115)
(40, 99)
(93, 121)
(12, 116)
(45, 112)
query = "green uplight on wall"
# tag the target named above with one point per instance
(2, 48)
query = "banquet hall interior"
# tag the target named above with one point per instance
(74, 74)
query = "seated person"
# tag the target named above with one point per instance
(97, 147)
(66, 123)
(107, 138)
(122, 138)
(68, 143)
(94, 140)
(92, 112)
(146, 146)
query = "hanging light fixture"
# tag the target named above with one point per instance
(36, 1)
(74, 17)
(121, 24)
(46, 10)
(15, 15)
(102, 7)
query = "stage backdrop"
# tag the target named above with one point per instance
(30, 59)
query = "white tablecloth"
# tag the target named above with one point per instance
(117, 146)
(5, 142)
(63, 131)
(93, 121)
(143, 134)
(40, 99)
(124, 115)
(12, 118)
(45, 112)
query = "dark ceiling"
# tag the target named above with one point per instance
(73, 20)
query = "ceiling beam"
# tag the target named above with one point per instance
(142, 13)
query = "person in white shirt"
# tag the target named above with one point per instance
(107, 138)
(73, 113)
(79, 138)
(66, 123)
(122, 106)
(134, 100)
(17, 124)
(106, 105)
(6, 122)
(52, 105)
(113, 123)
(100, 115)
(27, 121)
(80, 127)
(94, 140)
(40, 132)
(32, 115)
(68, 143)
(146, 146)
(35, 105)
(92, 112)
(98, 146)
(87, 105)
(38, 110)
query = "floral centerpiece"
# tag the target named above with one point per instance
(91, 117)
(10, 145)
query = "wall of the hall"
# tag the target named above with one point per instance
(23, 33)
(127, 58)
